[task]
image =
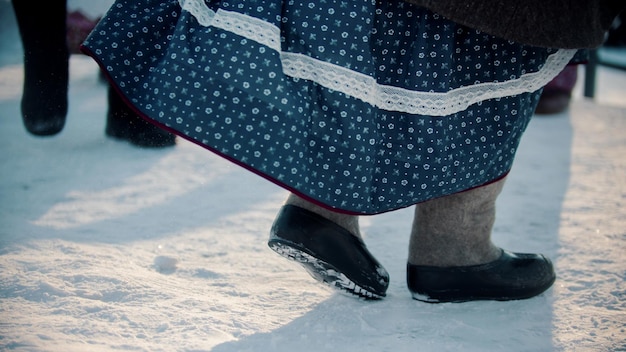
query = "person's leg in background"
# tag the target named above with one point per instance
(42, 29)
(124, 124)
(44, 32)
(557, 94)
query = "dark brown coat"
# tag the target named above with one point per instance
(546, 23)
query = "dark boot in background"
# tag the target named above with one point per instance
(46, 59)
(123, 123)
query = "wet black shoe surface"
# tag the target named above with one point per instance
(328, 252)
(513, 276)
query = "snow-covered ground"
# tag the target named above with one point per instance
(104, 246)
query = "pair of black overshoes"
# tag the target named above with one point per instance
(44, 98)
(330, 253)
(511, 277)
(334, 256)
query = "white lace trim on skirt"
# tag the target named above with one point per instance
(365, 87)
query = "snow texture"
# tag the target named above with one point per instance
(104, 246)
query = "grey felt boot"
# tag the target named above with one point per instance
(456, 230)
(348, 222)
(452, 258)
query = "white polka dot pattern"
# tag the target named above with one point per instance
(246, 98)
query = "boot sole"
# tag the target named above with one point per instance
(322, 271)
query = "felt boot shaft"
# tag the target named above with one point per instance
(348, 222)
(455, 230)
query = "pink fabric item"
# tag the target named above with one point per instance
(78, 28)
(564, 81)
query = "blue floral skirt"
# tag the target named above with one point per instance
(361, 106)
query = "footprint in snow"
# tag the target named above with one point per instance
(165, 264)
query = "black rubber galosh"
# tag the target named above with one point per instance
(328, 252)
(513, 276)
